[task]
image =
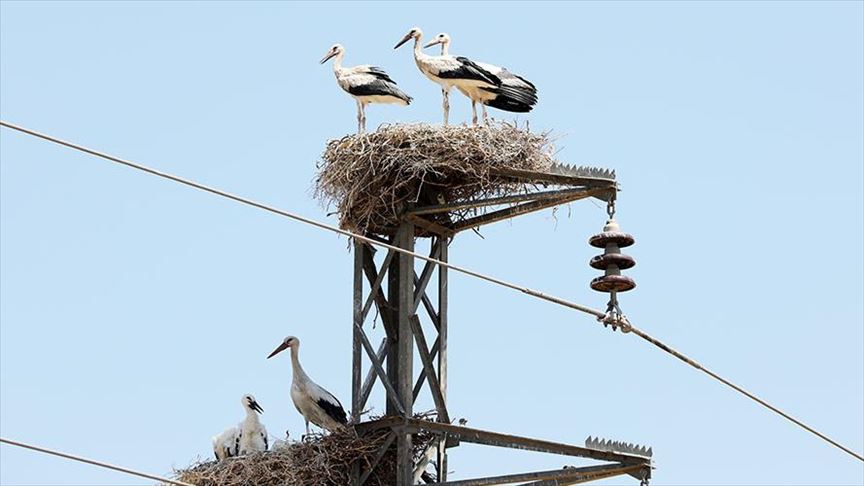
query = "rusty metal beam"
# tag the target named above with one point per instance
(418, 386)
(495, 201)
(430, 226)
(496, 439)
(422, 281)
(632, 470)
(372, 375)
(376, 285)
(525, 208)
(404, 352)
(427, 303)
(554, 476)
(533, 176)
(392, 396)
(380, 299)
(429, 370)
(356, 346)
(440, 346)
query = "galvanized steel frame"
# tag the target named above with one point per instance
(391, 362)
(620, 463)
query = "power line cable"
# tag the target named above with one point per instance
(93, 462)
(534, 293)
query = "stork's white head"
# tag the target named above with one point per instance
(250, 403)
(289, 342)
(334, 51)
(414, 33)
(441, 38)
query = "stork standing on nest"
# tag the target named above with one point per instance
(513, 93)
(449, 72)
(314, 403)
(366, 84)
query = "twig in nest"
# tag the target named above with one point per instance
(372, 178)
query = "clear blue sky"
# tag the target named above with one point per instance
(135, 312)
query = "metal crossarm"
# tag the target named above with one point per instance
(570, 475)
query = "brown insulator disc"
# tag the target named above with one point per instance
(600, 240)
(609, 283)
(622, 261)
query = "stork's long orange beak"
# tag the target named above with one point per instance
(282, 347)
(436, 41)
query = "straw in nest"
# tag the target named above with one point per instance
(319, 461)
(372, 178)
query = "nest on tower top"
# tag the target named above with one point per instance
(317, 461)
(371, 179)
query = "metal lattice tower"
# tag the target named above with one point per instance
(394, 286)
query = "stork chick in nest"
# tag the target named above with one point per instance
(247, 436)
(253, 434)
(227, 444)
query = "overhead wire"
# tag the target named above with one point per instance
(93, 462)
(600, 315)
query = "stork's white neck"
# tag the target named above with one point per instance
(299, 374)
(251, 416)
(337, 61)
(418, 48)
(445, 48)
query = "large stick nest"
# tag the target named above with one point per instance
(372, 178)
(319, 461)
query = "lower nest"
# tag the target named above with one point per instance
(373, 178)
(317, 461)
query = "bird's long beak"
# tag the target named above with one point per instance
(282, 347)
(328, 56)
(436, 41)
(404, 40)
(256, 407)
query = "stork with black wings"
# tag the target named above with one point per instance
(366, 84)
(513, 92)
(449, 71)
(314, 403)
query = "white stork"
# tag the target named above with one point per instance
(247, 436)
(253, 435)
(366, 84)
(448, 71)
(314, 403)
(227, 444)
(513, 93)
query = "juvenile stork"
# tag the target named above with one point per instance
(247, 436)
(366, 84)
(513, 93)
(448, 71)
(253, 435)
(227, 444)
(314, 403)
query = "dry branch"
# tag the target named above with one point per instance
(320, 461)
(372, 178)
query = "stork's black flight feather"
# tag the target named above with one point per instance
(334, 410)
(468, 69)
(381, 86)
